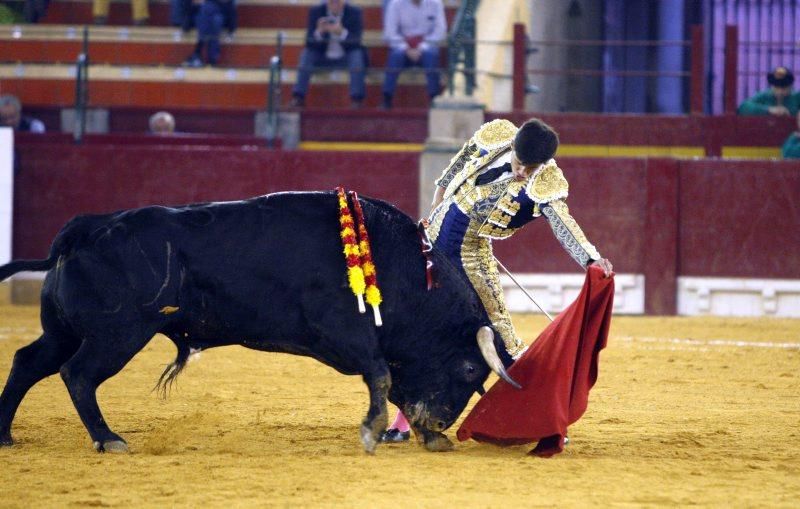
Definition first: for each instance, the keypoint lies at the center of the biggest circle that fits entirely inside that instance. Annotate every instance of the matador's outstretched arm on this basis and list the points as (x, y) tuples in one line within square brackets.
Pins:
[(571, 237)]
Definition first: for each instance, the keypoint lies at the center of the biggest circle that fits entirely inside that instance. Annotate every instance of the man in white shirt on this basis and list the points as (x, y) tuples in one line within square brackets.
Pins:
[(413, 29)]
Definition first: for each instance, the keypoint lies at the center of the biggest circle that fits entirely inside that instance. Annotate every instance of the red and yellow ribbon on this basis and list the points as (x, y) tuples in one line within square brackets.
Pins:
[(352, 254), (368, 266)]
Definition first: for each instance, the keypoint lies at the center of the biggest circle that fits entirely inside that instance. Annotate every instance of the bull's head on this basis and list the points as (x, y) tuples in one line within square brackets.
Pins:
[(433, 392)]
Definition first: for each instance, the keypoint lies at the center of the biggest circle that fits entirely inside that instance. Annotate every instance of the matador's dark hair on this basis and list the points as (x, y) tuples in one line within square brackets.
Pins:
[(535, 142)]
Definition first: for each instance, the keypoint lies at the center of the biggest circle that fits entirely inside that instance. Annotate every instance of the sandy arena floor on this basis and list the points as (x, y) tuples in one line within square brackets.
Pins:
[(670, 423)]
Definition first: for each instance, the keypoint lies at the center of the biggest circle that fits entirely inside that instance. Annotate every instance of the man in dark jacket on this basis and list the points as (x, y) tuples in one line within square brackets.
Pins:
[(211, 18), (11, 116), (333, 40)]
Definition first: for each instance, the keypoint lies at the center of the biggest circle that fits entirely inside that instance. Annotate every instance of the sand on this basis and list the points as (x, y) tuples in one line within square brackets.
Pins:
[(686, 411)]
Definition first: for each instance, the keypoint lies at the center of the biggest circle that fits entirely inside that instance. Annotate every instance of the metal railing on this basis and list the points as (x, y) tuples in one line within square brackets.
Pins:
[(461, 47), (81, 89), (692, 73), (274, 92)]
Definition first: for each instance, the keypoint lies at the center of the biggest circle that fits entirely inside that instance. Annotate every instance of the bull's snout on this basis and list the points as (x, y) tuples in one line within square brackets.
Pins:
[(419, 415)]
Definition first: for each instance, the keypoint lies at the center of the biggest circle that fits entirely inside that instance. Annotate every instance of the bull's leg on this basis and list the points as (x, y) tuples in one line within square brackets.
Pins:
[(378, 381), (433, 440), (96, 361), (32, 363)]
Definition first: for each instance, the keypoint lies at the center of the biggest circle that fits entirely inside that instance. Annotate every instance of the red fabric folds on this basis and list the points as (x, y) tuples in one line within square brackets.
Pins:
[(556, 374)]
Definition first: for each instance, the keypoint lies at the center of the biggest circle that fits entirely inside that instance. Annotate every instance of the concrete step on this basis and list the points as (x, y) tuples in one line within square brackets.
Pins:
[(252, 13), (171, 86), (41, 44)]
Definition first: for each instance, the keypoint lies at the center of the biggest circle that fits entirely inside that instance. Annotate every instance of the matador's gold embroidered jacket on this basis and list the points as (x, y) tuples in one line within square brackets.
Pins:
[(472, 214), (502, 207)]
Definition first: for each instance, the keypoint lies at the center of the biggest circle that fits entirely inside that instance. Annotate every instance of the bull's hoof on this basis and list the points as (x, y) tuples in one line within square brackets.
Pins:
[(369, 439), (437, 442), (112, 446), (6, 441)]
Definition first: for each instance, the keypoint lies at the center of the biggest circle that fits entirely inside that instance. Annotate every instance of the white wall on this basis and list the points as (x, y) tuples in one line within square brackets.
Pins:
[(6, 191)]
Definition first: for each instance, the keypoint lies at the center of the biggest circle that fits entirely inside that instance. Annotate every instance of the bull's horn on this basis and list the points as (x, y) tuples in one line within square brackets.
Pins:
[(486, 344)]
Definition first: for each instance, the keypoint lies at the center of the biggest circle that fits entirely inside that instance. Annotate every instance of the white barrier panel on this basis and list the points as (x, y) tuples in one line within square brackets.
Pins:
[(739, 296), (554, 292), (6, 192)]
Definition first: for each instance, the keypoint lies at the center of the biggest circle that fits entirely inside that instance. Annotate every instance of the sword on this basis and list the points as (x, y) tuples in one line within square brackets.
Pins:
[(508, 272)]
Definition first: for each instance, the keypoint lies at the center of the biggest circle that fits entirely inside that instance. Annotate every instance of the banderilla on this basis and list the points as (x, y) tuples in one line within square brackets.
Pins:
[(522, 288)]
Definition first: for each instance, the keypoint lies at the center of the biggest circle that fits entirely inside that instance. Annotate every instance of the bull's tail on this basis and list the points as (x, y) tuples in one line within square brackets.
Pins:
[(70, 235), (9, 269), (167, 378)]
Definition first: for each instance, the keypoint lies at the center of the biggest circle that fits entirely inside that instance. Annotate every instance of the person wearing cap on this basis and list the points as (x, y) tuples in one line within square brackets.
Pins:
[(501, 179), (778, 99)]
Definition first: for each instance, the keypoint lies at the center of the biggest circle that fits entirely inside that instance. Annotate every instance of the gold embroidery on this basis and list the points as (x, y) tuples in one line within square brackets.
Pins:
[(481, 269), (495, 134), (548, 184), (569, 234), (490, 231), (456, 165)]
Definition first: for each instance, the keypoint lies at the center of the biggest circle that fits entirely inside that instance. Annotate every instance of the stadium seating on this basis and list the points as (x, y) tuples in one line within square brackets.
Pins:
[(140, 66)]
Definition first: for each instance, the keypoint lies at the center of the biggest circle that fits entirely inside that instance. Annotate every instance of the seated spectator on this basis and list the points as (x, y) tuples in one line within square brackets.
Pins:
[(11, 116), (162, 123), (211, 18), (413, 29), (333, 40), (776, 100), (139, 12), (182, 13), (35, 10), (791, 147)]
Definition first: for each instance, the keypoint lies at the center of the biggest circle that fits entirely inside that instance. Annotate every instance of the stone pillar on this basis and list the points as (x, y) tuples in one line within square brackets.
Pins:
[(96, 120), (288, 128), (452, 120)]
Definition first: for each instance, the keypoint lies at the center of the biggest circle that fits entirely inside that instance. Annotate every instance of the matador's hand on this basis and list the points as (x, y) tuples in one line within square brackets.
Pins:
[(604, 264)]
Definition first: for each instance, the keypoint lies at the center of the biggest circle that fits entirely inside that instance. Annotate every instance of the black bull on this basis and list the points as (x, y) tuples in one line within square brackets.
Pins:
[(266, 273)]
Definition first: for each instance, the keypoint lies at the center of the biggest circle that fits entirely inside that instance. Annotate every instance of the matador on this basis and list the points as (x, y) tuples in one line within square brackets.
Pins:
[(501, 179)]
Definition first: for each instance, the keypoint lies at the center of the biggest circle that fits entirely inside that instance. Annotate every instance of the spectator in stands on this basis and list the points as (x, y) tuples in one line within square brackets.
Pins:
[(162, 123), (776, 100), (333, 40), (413, 29), (791, 147), (139, 12), (35, 10), (11, 116), (212, 17), (182, 13)]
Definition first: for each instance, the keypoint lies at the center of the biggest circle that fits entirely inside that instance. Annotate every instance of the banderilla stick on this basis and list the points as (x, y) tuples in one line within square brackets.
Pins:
[(522, 288)]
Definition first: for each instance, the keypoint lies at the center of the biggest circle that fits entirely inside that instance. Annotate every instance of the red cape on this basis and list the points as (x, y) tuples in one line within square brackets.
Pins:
[(556, 373)]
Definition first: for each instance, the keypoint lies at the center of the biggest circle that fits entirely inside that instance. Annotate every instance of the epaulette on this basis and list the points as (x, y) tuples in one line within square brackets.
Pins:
[(548, 183), (495, 134)]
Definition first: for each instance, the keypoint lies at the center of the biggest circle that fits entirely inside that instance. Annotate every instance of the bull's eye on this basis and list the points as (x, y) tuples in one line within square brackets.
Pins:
[(469, 372)]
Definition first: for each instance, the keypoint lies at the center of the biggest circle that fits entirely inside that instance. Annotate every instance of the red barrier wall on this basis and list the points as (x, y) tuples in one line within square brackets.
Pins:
[(658, 217), (739, 218), (58, 181)]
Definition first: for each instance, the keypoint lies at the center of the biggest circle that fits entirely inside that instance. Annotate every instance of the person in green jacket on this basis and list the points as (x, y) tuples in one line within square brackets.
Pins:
[(779, 99), (791, 147)]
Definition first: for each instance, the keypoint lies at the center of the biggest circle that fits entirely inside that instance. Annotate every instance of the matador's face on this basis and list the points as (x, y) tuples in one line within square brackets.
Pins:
[(521, 171)]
